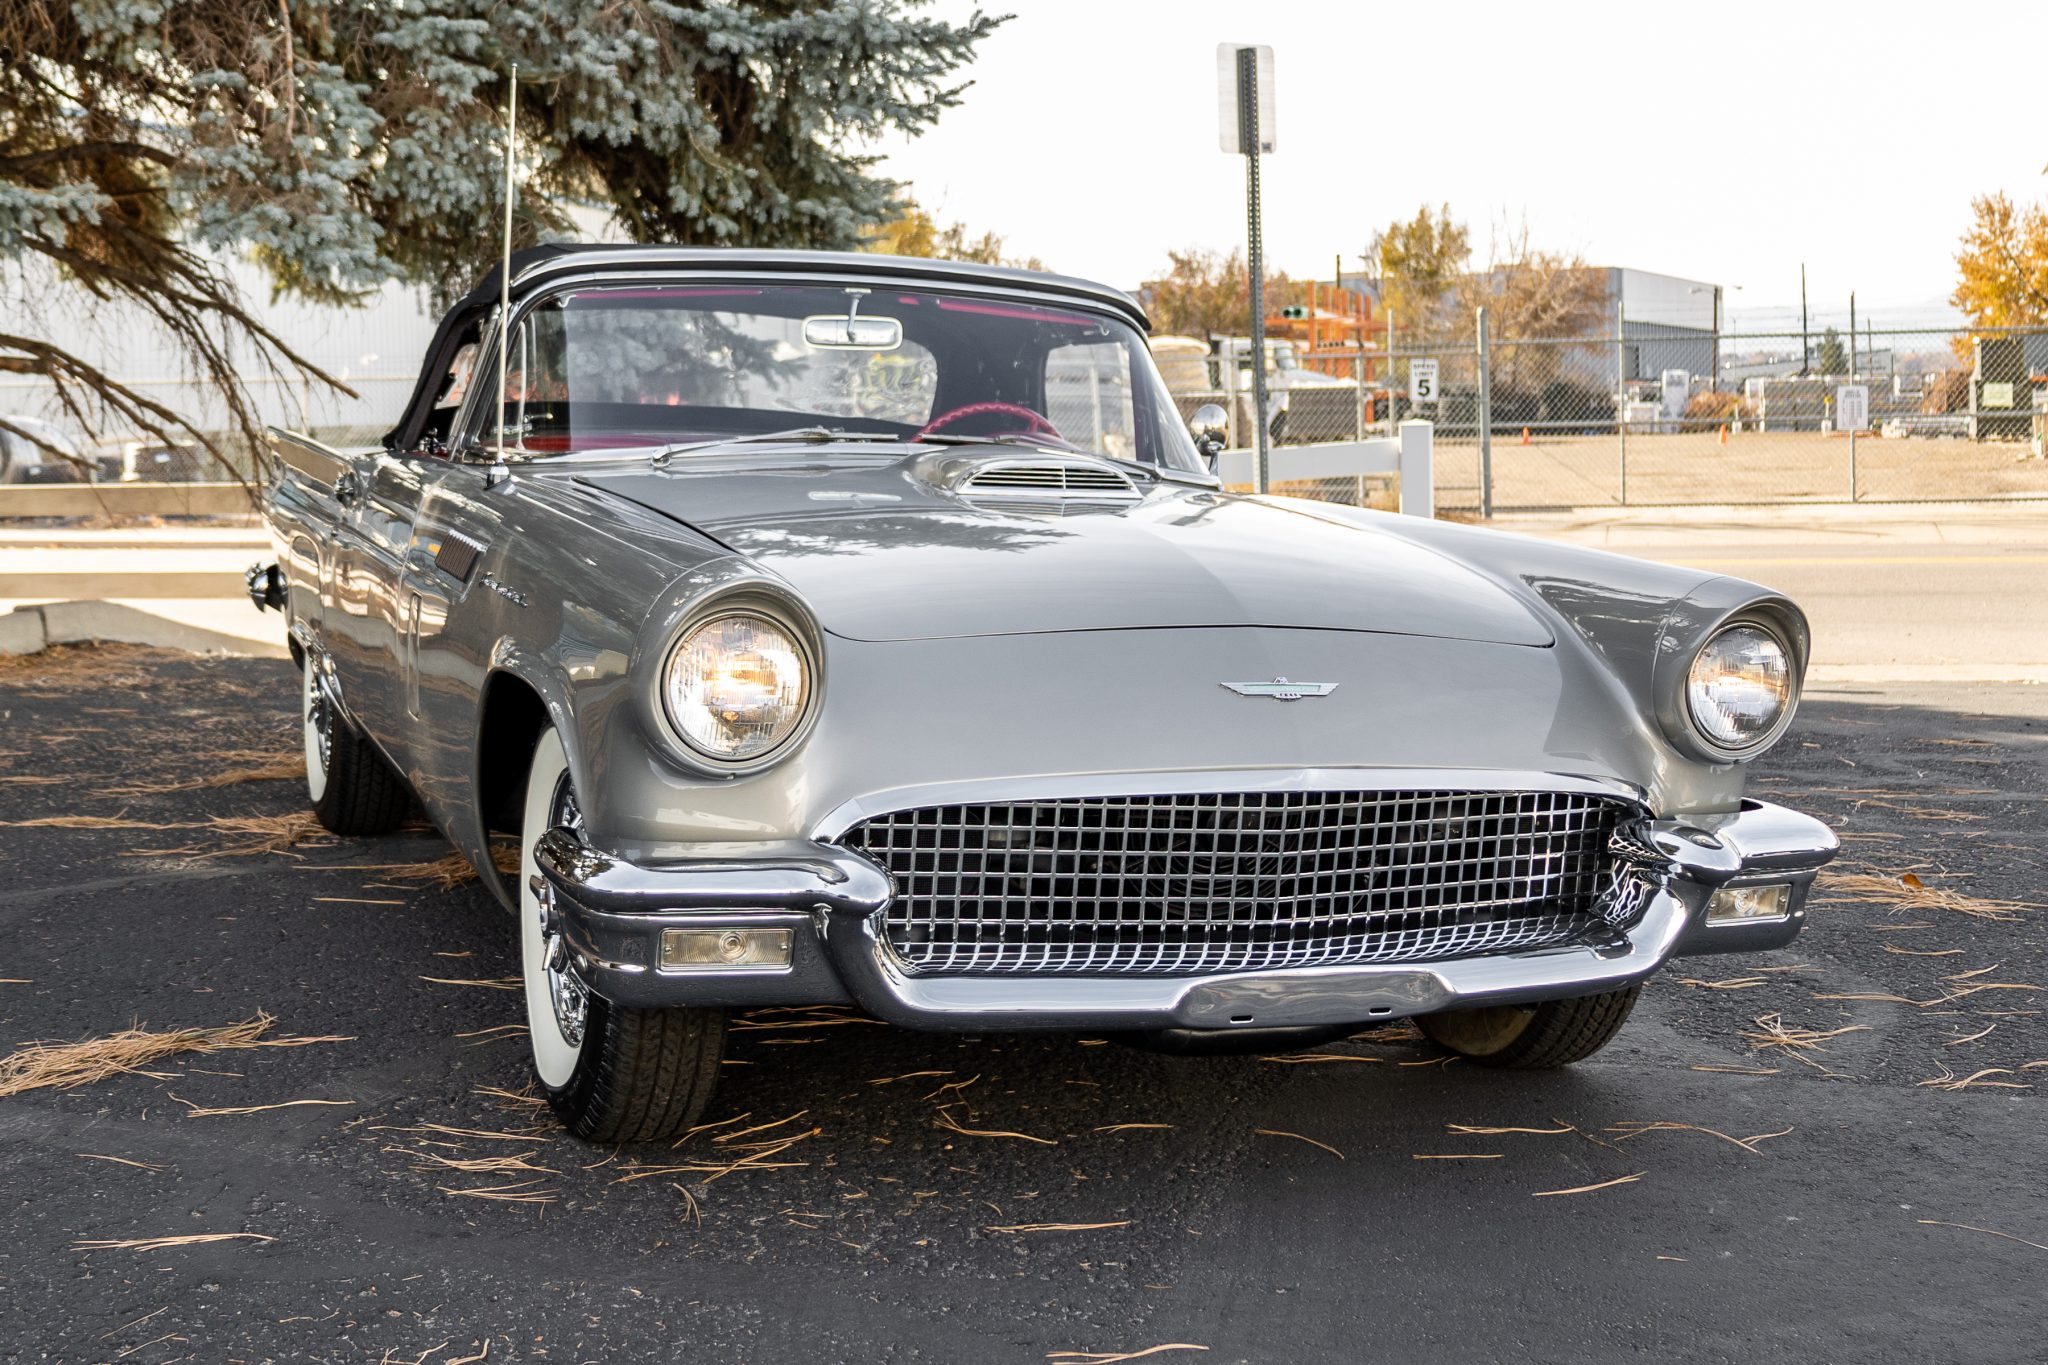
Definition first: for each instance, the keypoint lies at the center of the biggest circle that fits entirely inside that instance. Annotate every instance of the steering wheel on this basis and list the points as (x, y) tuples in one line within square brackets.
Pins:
[(1034, 422)]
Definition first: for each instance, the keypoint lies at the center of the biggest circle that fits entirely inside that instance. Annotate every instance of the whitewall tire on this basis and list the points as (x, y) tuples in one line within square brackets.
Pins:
[(613, 1073)]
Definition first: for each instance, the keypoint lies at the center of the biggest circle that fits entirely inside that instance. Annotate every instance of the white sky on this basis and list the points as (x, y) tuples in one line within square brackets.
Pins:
[(1720, 142)]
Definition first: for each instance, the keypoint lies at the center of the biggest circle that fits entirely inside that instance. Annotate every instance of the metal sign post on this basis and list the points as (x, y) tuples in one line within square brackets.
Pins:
[(1245, 97)]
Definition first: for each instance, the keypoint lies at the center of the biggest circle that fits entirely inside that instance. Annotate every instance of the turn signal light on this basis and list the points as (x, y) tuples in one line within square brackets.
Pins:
[(1748, 904), (716, 950)]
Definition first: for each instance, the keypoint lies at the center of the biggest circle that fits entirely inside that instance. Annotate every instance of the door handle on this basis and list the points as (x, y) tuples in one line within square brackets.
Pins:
[(348, 489)]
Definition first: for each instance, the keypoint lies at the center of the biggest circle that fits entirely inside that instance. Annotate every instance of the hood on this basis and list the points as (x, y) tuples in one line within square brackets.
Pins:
[(881, 552)]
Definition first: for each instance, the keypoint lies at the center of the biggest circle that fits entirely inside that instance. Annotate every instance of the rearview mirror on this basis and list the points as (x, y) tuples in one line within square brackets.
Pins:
[(1210, 426), (850, 332)]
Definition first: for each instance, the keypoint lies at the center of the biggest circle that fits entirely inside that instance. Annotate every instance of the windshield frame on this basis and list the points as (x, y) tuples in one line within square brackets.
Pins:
[(480, 448)]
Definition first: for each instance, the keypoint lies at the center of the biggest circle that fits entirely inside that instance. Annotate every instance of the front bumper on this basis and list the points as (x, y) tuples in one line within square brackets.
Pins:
[(831, 901)]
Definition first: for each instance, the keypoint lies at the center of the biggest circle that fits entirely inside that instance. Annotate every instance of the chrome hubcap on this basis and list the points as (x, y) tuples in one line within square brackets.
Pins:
[(566, 991), (320, 716)]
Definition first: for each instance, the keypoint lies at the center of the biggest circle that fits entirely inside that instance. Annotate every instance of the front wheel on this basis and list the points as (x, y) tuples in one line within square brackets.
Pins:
[(1532, 1037), (612, 1073)]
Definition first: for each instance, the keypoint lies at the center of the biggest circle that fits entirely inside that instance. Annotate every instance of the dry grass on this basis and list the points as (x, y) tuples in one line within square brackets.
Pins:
[(1733, 983), (1058, 1227), (496, 983), (1458, 1156), (443, 1130), (64, 1066), (94, 822), (1478, 1130), (248, 836), (1133, 1127), (160, 1243), (1909, 891), (275, 770), (1113, 1357), (446, 872), (1311, 1058)]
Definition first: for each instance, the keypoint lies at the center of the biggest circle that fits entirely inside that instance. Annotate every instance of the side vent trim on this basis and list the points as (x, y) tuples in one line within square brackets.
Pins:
[(456, 555)]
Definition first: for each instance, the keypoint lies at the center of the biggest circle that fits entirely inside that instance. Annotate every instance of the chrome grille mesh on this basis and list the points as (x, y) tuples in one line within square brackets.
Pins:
[(1237, 881)]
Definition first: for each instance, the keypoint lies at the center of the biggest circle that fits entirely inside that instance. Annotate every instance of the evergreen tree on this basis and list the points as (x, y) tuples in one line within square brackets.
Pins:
[(348, 143)]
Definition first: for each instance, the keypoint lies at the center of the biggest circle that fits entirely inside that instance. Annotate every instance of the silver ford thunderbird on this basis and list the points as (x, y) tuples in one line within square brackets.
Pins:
[(851, 629)]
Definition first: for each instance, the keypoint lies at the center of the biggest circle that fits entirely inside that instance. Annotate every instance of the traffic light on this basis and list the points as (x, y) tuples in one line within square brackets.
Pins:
[(1294, 311)]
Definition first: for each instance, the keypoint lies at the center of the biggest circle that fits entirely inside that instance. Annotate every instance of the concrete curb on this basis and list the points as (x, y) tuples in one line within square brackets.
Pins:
[(27, 630)]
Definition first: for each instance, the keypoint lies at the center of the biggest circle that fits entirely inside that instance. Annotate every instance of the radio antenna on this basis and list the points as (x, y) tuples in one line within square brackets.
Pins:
[(505, 261)]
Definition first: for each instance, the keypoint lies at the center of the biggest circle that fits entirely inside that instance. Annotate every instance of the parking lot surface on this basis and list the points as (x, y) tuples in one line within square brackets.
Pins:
[(1829, 1153)]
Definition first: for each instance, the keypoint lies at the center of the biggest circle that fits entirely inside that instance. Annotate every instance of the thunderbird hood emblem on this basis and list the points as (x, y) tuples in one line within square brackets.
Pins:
[(1281, 690)]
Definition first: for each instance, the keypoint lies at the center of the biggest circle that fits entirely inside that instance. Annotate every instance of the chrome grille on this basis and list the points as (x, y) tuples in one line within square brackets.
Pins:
[(1236, 881)]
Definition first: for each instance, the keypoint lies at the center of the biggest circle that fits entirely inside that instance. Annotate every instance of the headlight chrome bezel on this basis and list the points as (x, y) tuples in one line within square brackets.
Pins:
[(1707, 743), (785, 617)]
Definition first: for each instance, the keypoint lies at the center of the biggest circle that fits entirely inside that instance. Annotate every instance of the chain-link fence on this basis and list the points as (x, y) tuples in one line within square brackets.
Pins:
[(298, 404), (1678, 417)]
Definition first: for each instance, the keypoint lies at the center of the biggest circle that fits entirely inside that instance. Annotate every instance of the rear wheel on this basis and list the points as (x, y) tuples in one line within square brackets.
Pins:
[(613, 1074), (352, 788), (1532, 1037)]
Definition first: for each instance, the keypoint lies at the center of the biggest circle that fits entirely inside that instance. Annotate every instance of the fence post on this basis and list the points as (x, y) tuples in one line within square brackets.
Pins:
[(1418, 473), (1485, 416), (1621, 394)]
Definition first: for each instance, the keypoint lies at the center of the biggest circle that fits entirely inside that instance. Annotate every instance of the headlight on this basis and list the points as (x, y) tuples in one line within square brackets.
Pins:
[(1740, 687), (736, 686)]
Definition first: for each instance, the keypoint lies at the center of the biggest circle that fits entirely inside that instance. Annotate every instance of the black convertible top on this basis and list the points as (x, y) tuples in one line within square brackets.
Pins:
[(535, 265)]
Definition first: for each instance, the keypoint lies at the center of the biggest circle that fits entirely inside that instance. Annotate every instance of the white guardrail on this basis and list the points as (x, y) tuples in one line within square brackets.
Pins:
[(1410, 455)]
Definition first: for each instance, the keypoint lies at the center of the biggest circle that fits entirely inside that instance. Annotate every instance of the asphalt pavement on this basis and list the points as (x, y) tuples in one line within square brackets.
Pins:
[(1825, 1203)]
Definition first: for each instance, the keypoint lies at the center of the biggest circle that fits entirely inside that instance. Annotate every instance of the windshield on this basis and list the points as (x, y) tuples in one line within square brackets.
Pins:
[(618, 367)]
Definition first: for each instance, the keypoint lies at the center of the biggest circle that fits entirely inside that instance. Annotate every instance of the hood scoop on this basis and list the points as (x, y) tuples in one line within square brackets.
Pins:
[(1037, 484)]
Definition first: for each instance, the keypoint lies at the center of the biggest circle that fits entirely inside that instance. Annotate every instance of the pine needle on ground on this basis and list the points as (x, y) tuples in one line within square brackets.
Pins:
[(952, 1125), (160, 1243), (1113, 1357), (1588, 1189), (67, 1065), (1278, 1132), (1909, 891)]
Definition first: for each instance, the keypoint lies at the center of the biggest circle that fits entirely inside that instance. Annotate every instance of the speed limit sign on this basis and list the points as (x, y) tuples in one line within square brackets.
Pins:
[(1422, 381)]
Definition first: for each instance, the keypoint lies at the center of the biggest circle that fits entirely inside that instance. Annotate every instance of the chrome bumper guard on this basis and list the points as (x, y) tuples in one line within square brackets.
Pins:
[(614, 913)]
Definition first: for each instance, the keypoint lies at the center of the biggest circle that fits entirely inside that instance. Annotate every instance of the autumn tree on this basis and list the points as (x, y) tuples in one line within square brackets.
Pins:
[(344, 144), (1421, 262), (912, 231), (2002, 269), (1205, 293)]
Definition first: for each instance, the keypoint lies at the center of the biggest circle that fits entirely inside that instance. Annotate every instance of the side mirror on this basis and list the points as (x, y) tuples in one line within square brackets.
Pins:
[(1210, 426)]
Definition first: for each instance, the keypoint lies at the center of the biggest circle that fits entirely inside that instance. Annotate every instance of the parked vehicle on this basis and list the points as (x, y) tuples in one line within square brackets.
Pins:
[(163, 462), (816, 643), (25, 461), (1197, 370)]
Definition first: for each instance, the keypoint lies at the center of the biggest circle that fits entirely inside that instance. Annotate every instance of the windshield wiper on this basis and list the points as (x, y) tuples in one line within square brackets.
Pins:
[(813, 435)]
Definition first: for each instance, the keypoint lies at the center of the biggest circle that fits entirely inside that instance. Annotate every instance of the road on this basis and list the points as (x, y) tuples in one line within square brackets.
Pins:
[(1895, 593), (1269, 1211)]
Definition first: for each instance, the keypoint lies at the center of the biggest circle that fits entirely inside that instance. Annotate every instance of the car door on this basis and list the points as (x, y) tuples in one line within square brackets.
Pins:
[(310, 504), (380, 543)]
